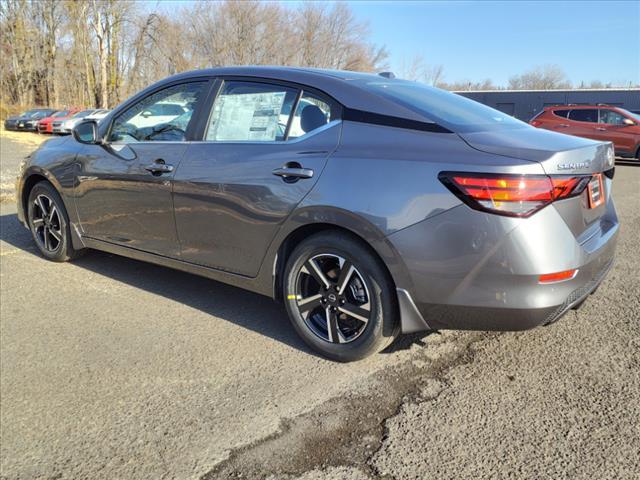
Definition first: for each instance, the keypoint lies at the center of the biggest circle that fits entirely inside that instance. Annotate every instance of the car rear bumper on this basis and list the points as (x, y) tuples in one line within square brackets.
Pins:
[(476, 271)]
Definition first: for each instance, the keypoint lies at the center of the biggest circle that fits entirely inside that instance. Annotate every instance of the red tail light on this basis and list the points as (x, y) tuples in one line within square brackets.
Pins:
[(535, 123), (512, 195)]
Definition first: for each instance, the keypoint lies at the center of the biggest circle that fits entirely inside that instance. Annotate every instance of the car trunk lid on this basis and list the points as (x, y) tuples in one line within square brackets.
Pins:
[(559, 155)]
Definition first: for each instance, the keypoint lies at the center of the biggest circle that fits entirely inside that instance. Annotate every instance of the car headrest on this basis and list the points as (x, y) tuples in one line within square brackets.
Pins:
[(312, 118)]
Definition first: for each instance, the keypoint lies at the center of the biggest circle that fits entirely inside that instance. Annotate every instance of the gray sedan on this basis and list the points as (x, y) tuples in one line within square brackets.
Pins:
[(368, 205)]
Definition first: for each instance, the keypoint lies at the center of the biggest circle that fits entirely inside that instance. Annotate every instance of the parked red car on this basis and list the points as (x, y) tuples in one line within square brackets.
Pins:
[(46, 124), (599, 122)]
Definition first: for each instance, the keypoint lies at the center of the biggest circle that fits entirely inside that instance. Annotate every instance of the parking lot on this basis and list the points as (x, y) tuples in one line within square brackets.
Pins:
[(113, 368)]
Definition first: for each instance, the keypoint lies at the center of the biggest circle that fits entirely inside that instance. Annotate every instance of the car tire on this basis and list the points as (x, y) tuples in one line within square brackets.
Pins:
[(49, 224), (339, 297)]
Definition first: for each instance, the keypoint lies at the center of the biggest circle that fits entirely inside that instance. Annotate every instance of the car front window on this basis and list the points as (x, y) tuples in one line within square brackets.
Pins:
[(162, 116), (611, 117), (447, 109)]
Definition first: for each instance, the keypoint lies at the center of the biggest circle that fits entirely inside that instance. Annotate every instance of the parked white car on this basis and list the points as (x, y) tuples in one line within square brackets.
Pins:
[(66, 126), (157, 114), (98, 114)]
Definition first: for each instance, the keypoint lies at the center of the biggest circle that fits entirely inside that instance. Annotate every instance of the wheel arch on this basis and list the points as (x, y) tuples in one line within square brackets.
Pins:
[(31, 179), (294, 238), (30, 182), (409, 318)]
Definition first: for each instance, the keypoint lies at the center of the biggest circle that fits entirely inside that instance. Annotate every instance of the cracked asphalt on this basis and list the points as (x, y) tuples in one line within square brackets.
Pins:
[(112, 368)]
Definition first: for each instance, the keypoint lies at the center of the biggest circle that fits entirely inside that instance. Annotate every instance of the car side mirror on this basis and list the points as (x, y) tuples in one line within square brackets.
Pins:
[(628, 122), (86, 132)]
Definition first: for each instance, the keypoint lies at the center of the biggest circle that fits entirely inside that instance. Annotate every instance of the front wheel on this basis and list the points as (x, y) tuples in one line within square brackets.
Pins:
[(339, 297), (49, 223)]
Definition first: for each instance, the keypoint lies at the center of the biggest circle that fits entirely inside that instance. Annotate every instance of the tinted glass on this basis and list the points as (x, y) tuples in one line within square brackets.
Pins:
[(63, 113), (561, 113), (450, 110), (584, 115), (311, 114), (162, 116), (247, 111)]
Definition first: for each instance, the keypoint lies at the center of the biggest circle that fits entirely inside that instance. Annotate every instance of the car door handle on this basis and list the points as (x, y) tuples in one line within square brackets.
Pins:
[(293, 173), (159, 168), (601, 129), (563, 125)]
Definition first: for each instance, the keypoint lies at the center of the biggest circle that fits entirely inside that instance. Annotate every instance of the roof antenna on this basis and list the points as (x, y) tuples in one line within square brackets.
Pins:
[(389, 75)]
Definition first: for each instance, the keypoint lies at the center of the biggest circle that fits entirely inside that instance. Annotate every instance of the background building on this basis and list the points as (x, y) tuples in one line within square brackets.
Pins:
[(525, 104)]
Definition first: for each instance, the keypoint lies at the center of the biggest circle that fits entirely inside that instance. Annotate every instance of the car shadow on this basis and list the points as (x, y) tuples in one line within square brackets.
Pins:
[(243, 308), (627, 162)]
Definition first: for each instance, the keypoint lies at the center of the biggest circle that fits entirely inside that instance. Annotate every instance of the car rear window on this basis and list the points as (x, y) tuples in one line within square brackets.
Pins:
[(447, 109), (584, 115), (561, 113)]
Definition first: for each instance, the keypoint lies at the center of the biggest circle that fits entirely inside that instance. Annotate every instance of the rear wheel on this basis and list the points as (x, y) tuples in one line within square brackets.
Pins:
[(49, 223), (339, 297)]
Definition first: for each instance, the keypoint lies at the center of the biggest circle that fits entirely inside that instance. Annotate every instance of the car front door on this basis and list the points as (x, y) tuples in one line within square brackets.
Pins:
[(612, 128), (124, 187), (263, 149)]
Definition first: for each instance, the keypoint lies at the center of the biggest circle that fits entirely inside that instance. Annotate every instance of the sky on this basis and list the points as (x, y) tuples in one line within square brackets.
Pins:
[(478, 40), (597, 40)]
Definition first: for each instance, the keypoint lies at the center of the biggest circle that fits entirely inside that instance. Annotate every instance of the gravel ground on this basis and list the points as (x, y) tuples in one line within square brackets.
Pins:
[(14, 146), (112, 368)]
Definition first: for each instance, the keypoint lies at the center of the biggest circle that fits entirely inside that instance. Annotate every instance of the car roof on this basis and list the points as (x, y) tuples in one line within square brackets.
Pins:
[(581, 107), (343, 86)]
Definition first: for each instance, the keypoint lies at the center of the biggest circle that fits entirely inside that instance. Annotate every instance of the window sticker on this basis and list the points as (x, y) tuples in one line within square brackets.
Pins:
[(250, 116)]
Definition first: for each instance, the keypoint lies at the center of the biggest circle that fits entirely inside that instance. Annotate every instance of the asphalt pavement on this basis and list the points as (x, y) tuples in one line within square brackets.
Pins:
[(112, 368)]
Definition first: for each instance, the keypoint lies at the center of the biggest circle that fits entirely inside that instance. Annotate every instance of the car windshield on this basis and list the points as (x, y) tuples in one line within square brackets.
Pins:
[(29, 113), (64, 113), (83, 114), (450, 110)]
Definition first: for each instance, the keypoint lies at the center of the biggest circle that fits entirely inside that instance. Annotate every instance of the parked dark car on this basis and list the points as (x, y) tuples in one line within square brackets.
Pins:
[(27, 120), (370, 206), (598, 122)]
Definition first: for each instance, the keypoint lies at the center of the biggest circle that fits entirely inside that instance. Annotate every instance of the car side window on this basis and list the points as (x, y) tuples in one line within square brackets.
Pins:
[(311, 113), (162, 116), (611, 117), (561, 113), (251, 112), (584, 115)]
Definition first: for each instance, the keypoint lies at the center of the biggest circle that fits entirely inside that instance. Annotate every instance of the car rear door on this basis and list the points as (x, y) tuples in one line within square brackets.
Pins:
[(124, 187), (262, 152), (582, 123)]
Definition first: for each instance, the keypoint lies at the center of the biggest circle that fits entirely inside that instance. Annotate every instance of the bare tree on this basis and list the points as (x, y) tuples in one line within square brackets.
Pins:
[(544, 77), (434, 75)]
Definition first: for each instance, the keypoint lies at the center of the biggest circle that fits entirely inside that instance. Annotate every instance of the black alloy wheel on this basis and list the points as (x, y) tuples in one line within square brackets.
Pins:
[(339, 296), (49, 223)]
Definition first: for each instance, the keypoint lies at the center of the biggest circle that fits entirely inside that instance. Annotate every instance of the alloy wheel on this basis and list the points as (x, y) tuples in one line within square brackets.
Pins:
[(332, 298), (47, 223)]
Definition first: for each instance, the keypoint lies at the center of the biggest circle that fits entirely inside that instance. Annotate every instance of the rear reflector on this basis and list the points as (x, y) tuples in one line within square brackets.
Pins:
[(558, 276), (512, 195)]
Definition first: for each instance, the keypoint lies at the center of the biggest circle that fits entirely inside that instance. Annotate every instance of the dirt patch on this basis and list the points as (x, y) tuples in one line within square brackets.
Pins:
[(346, 432)]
